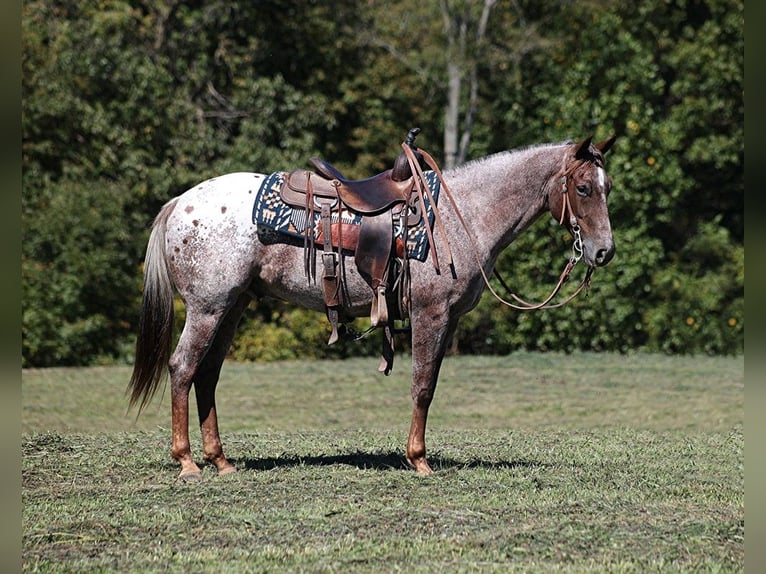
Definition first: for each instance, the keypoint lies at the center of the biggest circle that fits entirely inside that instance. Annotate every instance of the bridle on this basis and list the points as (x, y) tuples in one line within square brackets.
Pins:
[(577, 250), (566, 209)]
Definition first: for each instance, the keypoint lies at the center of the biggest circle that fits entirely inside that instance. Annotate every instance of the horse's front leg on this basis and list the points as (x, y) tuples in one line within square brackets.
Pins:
[(431, 333)]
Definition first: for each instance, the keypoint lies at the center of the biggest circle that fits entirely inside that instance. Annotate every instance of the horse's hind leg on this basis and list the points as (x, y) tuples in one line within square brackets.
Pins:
[(198, 334), (206, 381)]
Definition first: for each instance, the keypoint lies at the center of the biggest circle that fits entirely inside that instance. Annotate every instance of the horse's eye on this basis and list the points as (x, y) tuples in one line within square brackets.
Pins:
[(583, 189)]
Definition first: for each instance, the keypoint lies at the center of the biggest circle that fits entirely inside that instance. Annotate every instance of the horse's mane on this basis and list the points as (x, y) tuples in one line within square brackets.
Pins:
[(502, 155)]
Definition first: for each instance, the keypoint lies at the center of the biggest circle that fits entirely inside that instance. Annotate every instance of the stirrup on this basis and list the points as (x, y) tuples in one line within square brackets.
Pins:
[(379, 310), (332, 316)]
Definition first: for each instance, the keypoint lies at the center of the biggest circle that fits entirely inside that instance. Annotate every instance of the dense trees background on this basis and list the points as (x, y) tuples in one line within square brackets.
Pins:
[(128, 103)]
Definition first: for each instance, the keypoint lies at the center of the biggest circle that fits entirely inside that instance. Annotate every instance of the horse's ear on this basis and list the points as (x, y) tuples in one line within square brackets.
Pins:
[(606, 145), (582, 148)]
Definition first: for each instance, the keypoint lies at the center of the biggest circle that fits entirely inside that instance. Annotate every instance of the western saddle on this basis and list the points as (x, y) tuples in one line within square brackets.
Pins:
[(388, 204)]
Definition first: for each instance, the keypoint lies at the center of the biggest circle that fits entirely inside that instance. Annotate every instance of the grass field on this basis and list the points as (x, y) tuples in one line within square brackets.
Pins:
[(545, 463)]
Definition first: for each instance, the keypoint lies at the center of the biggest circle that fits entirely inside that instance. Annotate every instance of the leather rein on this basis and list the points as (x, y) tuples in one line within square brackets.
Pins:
[(566, 209)]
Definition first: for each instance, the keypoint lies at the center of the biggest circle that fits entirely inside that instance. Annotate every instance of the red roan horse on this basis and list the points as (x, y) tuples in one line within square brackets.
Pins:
[(204, 244)]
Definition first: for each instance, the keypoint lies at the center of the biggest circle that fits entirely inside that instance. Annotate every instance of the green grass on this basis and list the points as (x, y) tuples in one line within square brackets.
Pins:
[(545, 463)]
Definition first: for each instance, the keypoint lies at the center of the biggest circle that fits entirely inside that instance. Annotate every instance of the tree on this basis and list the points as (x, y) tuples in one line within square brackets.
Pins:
[(465, 46), (127, 103), (629, 69)]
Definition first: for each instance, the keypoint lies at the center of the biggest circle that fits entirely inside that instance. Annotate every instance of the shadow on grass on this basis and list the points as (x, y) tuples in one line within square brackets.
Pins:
[(377, 461)]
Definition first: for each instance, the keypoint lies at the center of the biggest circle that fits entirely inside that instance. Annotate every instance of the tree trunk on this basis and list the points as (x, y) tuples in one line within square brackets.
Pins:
[(460, 64), (452, 115)]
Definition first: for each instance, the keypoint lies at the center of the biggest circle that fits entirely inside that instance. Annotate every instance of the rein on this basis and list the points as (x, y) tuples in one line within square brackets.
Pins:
[(577, 247)]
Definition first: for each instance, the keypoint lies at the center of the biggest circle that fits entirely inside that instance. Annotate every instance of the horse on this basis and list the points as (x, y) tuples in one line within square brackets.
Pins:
[(204, 245)]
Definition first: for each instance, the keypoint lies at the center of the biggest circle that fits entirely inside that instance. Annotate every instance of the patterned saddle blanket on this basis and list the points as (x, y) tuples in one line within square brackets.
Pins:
[(278, 222)]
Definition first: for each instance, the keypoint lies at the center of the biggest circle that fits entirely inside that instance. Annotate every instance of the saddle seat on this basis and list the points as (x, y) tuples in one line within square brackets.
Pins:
[(370, 196)]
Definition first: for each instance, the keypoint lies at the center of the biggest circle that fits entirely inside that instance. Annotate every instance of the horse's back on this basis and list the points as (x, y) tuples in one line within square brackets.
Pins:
[(226, 197)]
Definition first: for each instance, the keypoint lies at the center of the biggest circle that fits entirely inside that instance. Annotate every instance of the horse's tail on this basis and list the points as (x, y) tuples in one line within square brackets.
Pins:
[(155, 325)]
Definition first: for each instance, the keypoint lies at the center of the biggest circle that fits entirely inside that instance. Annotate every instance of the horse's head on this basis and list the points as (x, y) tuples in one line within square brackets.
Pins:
[(578, 200)]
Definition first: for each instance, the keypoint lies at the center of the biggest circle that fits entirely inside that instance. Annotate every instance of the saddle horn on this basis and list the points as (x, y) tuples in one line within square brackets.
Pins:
[(402, 169)]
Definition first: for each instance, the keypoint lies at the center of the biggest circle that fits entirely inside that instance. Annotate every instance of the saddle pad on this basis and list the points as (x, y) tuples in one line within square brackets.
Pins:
[(274, 216)]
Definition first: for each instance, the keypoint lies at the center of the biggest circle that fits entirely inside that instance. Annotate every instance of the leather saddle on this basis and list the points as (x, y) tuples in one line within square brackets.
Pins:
[(387, 206), (369, 196)]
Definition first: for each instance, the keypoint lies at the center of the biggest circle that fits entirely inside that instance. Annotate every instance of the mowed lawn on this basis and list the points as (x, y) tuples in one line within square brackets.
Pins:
[(545, 463)]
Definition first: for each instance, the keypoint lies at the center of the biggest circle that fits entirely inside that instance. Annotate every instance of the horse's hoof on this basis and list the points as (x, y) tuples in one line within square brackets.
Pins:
[(191, 476), (231, 469), (421, 466)]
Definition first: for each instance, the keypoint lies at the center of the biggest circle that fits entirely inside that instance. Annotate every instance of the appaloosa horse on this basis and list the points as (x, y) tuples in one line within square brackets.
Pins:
[(205, 245)]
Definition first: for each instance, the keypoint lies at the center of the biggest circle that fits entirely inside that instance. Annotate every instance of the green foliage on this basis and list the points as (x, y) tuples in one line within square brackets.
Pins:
[(81, 280), (276, 331), (702, 306), (281, 335), (668, 80), (128, 103)]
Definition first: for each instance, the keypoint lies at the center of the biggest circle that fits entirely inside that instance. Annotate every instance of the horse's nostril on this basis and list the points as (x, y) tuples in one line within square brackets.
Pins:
[(604, 256)]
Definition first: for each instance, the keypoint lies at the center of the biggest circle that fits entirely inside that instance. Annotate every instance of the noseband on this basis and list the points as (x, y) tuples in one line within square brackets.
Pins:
[(566, 207)]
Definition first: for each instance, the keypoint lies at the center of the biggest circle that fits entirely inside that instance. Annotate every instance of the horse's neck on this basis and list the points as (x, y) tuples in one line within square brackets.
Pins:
[(501, 195)]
